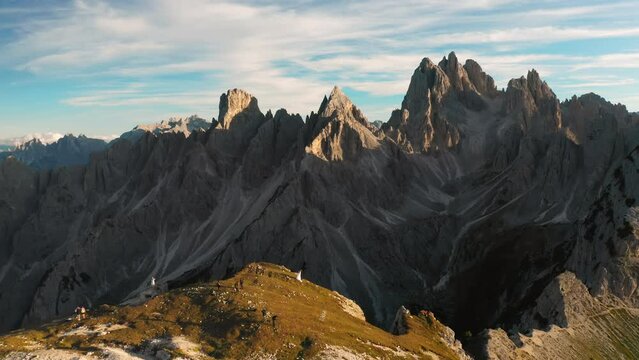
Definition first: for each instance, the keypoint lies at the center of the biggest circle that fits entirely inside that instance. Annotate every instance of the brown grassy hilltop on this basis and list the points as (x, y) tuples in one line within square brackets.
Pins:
[(214, 320)]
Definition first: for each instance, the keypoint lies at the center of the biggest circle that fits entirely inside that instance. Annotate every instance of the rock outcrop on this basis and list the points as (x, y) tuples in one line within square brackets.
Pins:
[(533, 104), (340, 131), (238, 121), (400, 324), (567, 323)]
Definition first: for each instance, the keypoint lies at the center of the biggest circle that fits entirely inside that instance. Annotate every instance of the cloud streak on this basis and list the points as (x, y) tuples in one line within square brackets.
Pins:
[(290, 54)]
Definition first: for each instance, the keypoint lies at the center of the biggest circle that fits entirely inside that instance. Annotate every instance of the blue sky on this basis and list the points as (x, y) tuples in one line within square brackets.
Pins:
[(101, 67)]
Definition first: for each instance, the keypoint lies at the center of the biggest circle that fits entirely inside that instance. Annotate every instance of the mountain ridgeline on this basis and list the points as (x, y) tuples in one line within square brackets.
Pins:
[(469, 201), (66, 151)]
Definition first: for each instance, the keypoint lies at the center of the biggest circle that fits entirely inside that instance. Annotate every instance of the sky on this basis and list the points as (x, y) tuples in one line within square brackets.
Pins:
[(100, 67)]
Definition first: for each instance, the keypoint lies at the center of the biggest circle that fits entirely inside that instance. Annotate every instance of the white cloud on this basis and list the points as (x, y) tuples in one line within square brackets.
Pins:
[(608, 61), (290, 55), (526, 35), (45, 138), (598, 84), (106, 138)]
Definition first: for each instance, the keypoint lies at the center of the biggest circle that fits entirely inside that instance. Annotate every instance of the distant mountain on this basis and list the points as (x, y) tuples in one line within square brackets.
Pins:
[(44, 138), (49, 150), (185, 126), (495, 209), (67, 150), (377, 123)]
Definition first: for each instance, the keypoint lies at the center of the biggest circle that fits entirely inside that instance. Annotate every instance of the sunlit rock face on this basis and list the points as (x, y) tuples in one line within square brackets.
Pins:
[(465, 190)]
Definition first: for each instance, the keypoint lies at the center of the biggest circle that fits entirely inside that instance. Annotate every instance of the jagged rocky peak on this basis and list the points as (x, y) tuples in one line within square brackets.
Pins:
[(533, 104), (483, 82), (339, 106), (428, 77), (422, 124), (585, 117), (588, 116), (339, 130), (538, 87), (238, 121), (271, 145), (30, 144), (236, 102), (456, 73), (336, 102)]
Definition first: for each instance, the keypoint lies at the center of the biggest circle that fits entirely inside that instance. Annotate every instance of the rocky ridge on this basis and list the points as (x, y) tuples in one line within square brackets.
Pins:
[(68, 150)]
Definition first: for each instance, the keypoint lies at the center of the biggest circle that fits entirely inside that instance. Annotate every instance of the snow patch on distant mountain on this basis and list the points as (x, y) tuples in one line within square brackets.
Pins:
[(44, 138), (186, 126), (107, 138)]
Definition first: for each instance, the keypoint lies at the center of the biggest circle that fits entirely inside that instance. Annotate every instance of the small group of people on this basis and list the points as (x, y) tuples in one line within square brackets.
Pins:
[(427, 315), (259, 269), (80, 313), (238, 285), (266, 315)]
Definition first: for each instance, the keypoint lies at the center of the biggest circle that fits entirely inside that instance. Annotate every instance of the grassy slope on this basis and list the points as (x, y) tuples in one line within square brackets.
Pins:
[(229, 324)]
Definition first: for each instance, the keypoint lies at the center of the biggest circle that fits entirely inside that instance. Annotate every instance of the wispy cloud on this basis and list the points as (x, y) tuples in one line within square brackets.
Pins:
[(598, 84), (289, 54), (525, 35), (616, 60)]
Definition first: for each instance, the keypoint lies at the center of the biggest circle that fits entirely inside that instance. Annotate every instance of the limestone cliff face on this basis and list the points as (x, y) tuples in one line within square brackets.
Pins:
[(533, 104), (466, 190), (607, 245), (238, 121), (482, 82), (420, 126), (567, 322), (438, 103), (340, 131), (273, 145)]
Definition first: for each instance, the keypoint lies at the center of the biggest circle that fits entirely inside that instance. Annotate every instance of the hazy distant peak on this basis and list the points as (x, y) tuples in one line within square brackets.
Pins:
[(185, 125), (44, 138)]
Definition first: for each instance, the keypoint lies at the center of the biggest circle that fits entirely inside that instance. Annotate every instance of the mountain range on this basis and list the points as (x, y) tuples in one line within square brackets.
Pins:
[(66, 151), (506, 212), (52, 150)]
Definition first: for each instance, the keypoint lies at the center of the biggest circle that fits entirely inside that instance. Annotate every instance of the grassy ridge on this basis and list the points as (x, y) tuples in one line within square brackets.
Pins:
[(229, 323)]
